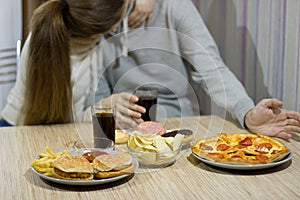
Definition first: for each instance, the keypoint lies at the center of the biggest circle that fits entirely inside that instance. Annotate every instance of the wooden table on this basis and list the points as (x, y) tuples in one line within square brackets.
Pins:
[(188, 178)]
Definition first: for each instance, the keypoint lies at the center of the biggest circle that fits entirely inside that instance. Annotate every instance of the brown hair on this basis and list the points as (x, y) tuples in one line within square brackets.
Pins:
[(48, 87)]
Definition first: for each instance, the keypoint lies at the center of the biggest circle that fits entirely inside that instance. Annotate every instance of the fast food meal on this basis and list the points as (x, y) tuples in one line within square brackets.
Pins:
[(112, 165), (92, 164), (73, 167), (154, 149), (240, 149)]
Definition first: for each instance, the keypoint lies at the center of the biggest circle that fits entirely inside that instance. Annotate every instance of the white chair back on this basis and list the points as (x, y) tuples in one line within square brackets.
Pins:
[(9, 62)]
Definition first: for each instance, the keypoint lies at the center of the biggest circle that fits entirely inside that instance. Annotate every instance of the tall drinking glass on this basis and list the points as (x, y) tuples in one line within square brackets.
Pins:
[(147, 99), (103, 122)]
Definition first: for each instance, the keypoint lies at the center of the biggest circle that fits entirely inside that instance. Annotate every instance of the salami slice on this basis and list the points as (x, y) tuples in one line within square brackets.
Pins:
[(150, 127)]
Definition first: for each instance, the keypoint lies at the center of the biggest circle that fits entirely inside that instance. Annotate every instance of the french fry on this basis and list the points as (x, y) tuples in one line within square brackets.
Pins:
[(67, 153), (44, 159), (49, 172), (44, 163), (50, 152), (40, 169), (42, 155)]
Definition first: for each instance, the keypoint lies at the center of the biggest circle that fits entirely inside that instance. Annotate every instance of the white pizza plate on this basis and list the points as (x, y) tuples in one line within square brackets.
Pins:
[(87, 182), (245, 167)]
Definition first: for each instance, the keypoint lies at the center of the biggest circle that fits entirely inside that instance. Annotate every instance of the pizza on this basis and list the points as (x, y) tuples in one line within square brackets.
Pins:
[(240, 148)]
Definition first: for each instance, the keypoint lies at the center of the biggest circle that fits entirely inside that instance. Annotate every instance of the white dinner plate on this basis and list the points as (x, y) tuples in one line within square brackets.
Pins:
[(245, 167), (87, 182)]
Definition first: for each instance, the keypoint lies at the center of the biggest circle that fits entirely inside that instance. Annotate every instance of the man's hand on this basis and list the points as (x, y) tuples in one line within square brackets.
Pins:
[(128, 113), (142, 11), (269, 119)]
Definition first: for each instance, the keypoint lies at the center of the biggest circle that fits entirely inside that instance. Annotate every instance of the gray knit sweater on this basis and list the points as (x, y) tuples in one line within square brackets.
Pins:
[(174, 52)]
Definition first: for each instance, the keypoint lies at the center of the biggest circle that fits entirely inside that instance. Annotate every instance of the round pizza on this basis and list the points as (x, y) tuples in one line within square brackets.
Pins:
[(240, 148)]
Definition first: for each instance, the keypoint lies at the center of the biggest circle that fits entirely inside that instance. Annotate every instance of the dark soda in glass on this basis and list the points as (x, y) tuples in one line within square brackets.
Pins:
[(104, 125), (148, 102)]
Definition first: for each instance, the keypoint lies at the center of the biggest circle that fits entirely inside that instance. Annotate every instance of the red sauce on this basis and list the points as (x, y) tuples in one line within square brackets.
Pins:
[(91, 155)]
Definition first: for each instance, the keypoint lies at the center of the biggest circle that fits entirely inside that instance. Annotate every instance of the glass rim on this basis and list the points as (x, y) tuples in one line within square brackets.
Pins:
[(99, 107), (88, 142), (141, 92), (146, 88)]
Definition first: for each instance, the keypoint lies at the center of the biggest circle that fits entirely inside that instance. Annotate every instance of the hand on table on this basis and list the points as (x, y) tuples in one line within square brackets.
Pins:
[(142, 11), (128, 113), (269, 119)]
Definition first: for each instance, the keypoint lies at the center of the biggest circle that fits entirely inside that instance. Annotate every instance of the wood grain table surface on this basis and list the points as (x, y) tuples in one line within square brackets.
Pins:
[(187, 178)]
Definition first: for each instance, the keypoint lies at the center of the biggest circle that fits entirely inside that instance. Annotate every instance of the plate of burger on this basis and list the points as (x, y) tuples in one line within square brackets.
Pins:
[(92, 167)]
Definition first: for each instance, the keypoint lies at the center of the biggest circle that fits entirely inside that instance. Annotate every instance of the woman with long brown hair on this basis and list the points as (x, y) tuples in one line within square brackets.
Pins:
[(59, 61)]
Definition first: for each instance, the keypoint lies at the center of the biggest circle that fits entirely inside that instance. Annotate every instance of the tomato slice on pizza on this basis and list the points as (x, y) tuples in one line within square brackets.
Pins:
[(240, 148)]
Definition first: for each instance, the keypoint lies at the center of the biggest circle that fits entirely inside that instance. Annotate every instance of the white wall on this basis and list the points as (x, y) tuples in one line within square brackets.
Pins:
[(10, 32)]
